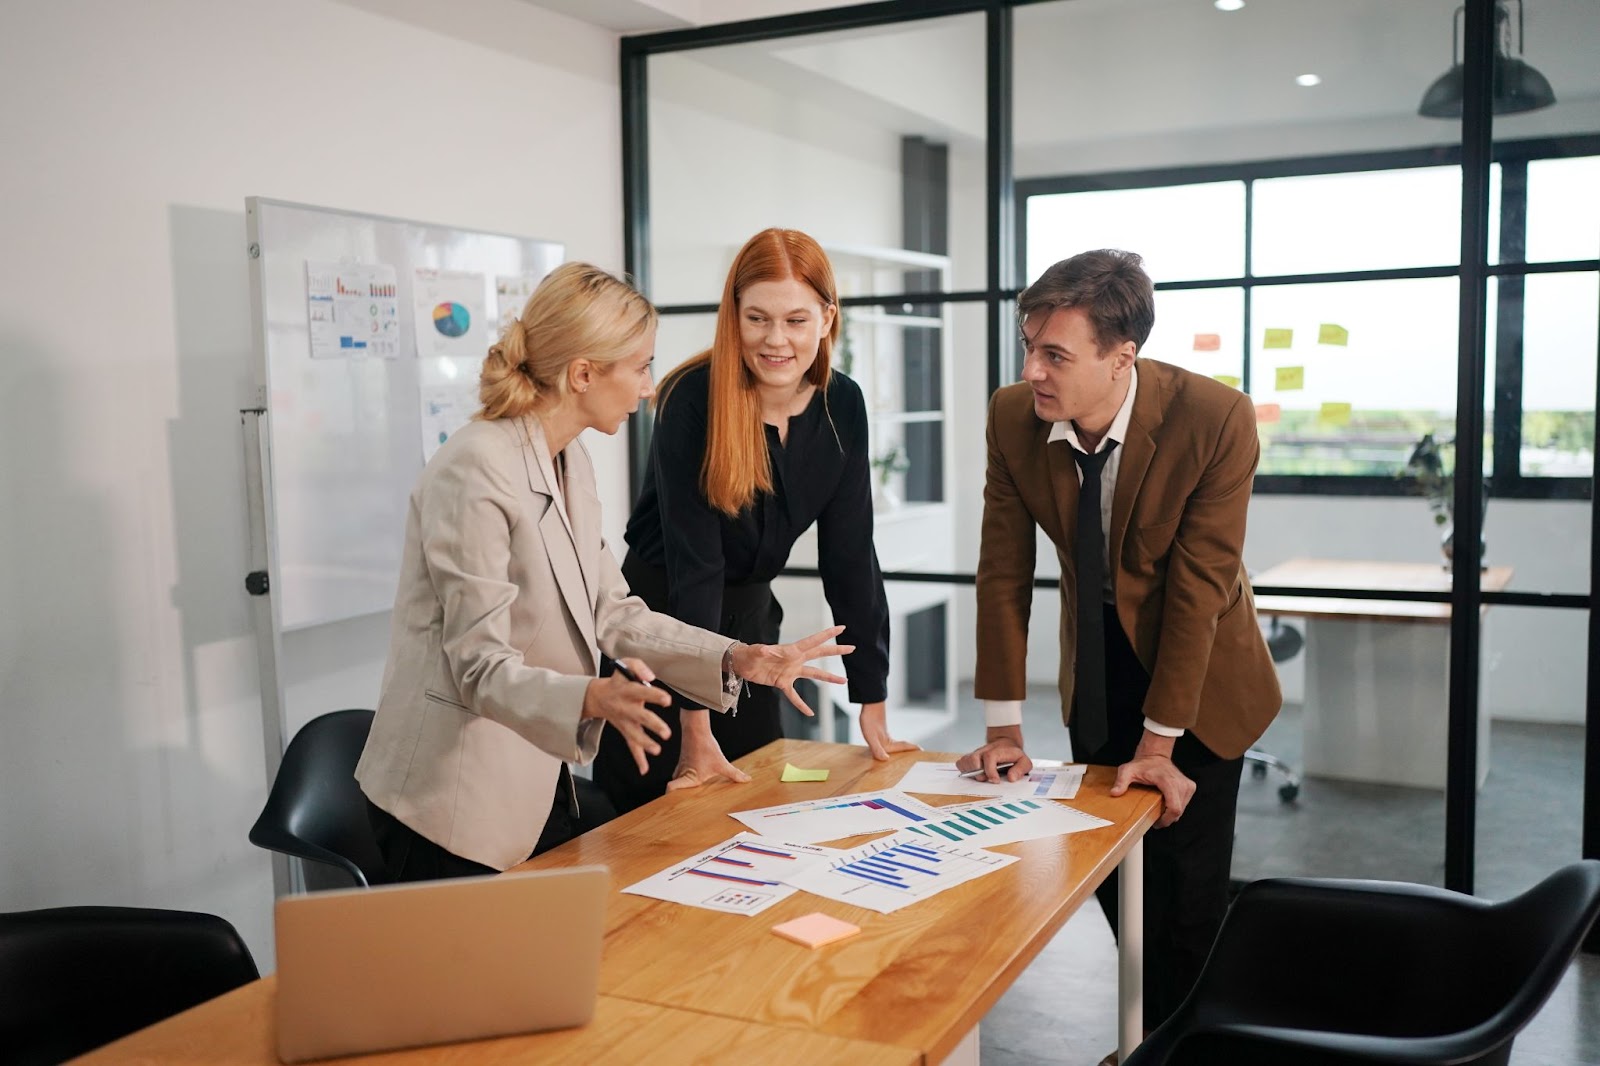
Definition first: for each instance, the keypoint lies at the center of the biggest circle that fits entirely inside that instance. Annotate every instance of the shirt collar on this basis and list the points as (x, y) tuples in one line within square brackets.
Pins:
[(1119, 425)]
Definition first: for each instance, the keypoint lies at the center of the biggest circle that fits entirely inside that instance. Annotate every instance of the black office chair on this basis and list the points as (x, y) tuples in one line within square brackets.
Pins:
[(1376, 972), (315, 810), (74, 978), (1283, 643)]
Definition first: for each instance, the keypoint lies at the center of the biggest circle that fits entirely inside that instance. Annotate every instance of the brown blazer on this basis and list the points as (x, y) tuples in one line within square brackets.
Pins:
[(503, 608), (1176, 546)]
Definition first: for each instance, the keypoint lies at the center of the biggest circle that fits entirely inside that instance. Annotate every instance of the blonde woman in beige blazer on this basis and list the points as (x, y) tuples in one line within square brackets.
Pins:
[(508, 596)]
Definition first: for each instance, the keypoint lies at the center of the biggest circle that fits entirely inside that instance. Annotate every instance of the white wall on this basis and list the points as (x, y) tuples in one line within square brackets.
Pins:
[(131, 761)]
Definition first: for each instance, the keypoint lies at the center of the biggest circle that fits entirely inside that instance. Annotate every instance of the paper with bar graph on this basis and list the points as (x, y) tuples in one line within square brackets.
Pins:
[(897, 871), (1047, 780), (744, 875), (985, 823), (836, 817)]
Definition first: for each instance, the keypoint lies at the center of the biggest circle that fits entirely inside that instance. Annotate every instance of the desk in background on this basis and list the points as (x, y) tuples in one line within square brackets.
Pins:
[(681, 985), (1377, 671)]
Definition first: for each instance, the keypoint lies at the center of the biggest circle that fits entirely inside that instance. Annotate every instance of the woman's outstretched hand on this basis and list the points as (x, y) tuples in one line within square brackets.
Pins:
[(780, 665)]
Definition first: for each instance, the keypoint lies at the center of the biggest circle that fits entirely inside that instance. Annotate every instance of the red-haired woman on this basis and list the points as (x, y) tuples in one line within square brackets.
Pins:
[(755, 439)]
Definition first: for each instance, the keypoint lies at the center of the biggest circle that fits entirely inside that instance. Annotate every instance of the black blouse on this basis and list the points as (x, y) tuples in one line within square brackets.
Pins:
[(819, 475)]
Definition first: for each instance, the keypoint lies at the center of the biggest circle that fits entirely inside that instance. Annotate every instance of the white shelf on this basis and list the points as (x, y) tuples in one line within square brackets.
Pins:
[(871, 316), (902, 417)]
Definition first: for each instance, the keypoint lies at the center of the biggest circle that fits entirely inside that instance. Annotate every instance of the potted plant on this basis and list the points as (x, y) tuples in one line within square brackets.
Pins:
[(1427, 469), (888, 463)]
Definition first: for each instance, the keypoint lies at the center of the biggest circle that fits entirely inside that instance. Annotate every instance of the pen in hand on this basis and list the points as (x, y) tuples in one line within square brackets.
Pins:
[(1002, 768), (627, 673)]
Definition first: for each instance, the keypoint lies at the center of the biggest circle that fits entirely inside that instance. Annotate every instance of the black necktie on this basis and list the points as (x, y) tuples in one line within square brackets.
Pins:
[(1089, 673)]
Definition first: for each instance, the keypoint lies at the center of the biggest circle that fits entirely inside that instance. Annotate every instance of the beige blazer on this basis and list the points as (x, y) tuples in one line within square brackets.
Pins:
[(1176, 547), (504, 606)]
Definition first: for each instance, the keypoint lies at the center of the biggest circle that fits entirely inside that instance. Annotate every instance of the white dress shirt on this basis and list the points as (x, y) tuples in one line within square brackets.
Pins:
[(1009, 712)]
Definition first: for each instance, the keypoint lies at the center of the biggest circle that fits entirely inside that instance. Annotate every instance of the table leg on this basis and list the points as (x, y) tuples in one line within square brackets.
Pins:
[(1130, 951)]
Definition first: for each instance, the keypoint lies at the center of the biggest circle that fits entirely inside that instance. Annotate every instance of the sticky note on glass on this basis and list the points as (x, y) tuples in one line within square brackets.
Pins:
[(1268, 413), (1328, 333), (794, 773), (815, 929), (1279, 338), (1289, 378), (1334, 414), (1207, 342), (1228, 380)]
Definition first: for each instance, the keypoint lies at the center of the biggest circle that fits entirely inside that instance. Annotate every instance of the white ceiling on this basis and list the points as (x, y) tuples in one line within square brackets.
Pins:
[(1106, 72)]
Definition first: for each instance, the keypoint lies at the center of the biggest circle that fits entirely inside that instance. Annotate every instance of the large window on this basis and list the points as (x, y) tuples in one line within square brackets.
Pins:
[(1328, 290)]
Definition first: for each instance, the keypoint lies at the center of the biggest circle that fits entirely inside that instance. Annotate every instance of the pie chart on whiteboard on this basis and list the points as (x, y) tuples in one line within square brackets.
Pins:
[(452, 319)]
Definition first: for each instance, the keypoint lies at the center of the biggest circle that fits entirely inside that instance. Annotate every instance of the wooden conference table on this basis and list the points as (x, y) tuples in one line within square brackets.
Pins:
[(679, 984)]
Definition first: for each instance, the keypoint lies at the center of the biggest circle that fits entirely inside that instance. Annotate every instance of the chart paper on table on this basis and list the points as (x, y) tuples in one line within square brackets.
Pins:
[(744, 875), (836, 817), (988, 822), (1045, 781), (897, 871)]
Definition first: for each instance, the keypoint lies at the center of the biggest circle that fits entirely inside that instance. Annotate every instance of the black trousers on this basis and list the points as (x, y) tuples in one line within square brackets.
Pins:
[(1186, 865), (410, 856), (751, 614)]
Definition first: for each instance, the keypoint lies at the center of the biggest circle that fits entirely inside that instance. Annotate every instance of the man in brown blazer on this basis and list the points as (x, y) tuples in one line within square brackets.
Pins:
[(1175, 681)]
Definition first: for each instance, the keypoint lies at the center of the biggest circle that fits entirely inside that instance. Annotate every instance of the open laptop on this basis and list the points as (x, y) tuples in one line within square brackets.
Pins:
[(373, 969)]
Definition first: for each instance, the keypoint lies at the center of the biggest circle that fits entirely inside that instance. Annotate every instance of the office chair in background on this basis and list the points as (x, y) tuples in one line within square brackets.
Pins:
[(315, 810), (1376, 972), (74, 978), (1283, 643)]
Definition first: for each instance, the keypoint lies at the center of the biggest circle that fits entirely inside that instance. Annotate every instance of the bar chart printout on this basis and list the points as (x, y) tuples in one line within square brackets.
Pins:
[(897, 871), (744, 875), (986, 823), (836, 817)]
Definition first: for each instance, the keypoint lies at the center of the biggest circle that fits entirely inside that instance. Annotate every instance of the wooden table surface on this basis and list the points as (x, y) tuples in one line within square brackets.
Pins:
[(237, 1030), (681, 985), (921, 978), (1355, 574)]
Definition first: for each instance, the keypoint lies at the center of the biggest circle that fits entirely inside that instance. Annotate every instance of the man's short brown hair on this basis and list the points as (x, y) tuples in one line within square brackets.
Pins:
[(1110, 286)]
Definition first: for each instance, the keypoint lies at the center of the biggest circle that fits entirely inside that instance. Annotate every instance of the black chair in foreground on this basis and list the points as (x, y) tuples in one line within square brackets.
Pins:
[(74, 978), (1376, 972), (315, 810)]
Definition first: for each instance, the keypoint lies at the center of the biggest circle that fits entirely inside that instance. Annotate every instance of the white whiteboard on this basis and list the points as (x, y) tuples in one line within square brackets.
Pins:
[(344, 434)]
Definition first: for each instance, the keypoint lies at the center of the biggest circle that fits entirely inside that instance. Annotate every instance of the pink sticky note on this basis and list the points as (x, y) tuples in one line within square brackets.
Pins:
[(815, 929), (1208, 342), (1268, 412)]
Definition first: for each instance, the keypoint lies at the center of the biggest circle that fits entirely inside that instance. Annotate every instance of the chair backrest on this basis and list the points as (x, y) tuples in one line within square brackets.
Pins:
[(1534, 937), (315, 810), (74, 978)]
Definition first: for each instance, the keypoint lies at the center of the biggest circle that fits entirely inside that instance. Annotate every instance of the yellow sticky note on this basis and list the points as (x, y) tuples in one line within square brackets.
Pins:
[(1290, 378), (1228, 380), (1279, 338), (1208, 342), (794, 773), (1267, 413), (1334, 414), (1328, 333)]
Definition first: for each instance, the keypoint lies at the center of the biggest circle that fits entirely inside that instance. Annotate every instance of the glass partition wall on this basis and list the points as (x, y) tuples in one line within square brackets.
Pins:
[(1399, 294)]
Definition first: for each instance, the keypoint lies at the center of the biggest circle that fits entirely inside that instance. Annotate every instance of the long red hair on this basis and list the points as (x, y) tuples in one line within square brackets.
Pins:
[(736, 466)]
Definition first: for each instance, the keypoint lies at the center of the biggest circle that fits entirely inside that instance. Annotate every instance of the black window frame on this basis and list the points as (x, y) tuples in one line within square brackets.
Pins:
[(1506, 481)]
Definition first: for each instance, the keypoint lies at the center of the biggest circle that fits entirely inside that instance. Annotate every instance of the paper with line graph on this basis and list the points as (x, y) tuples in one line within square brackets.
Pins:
[(985, 823), (836, 817), (897, 871), (744, 875)]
